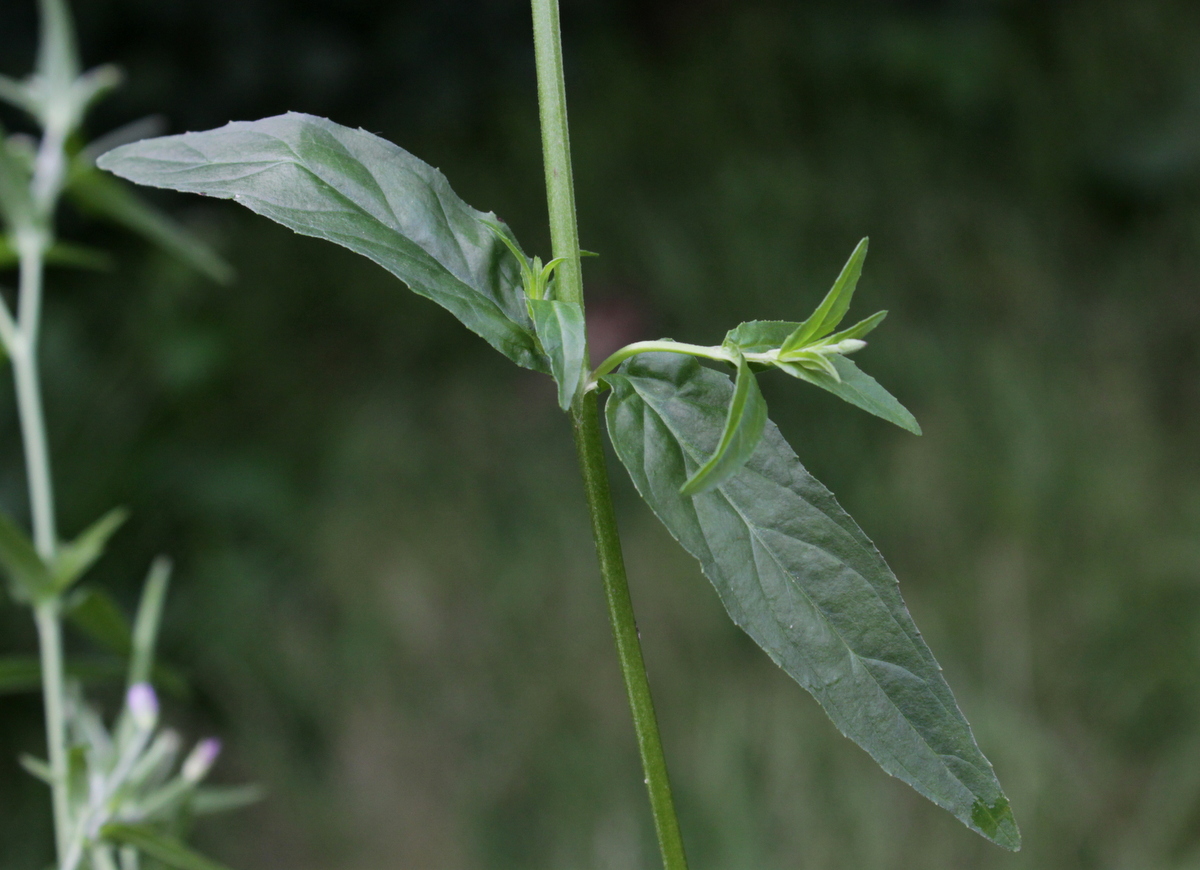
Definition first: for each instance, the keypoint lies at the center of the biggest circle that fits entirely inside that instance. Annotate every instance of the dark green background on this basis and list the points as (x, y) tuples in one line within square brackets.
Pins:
[(386, 598)]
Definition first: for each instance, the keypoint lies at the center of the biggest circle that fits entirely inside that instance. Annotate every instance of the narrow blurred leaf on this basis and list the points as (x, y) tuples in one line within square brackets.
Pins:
[(801, 578), (143, 128), (94, 613), (833, 307), (159, 846), (75, 558), (97, 194), (17, 94), (362, 192), (57, 59), (744, 422), (29, 579), (76, 257), (561, 329), (145, 627), (858, 388), (37, 768), (94, 84), (20, 674), (221, 798), (16, 202), (759, 336)]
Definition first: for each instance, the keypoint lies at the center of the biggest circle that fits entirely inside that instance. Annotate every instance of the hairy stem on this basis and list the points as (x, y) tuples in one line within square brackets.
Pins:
[(588, 442)]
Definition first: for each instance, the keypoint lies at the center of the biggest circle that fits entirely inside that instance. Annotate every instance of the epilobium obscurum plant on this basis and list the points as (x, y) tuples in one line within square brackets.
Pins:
[(792, 568), (117, 793)]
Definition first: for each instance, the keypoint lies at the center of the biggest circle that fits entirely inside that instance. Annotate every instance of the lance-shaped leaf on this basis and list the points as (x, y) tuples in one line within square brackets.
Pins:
[(744, 421), (858, 388), (561, 330), (60, 254), (30, 581), (95, 614), (858, 330), (75, 558), (57, 58), (20, 673), (17, 94), (833, 307), (16, 202), (158, 846), (362, 192), (800, 577), (211, 799), (149, 615)]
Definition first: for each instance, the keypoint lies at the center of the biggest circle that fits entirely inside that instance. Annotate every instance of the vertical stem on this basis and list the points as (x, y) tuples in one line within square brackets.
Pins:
[(29, 401), (556, 148), (50, 640), (23, 353), (590, 448), (589, 445)]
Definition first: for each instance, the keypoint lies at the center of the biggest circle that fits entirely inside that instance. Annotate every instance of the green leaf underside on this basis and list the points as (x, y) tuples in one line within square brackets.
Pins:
[(859, 389), (744, 422), (835, 304), (362, 192), (159, 846), (799, 576), (560, 327)]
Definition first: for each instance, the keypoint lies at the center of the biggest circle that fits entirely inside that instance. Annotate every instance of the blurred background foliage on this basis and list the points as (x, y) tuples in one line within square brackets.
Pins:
[(386, 597)]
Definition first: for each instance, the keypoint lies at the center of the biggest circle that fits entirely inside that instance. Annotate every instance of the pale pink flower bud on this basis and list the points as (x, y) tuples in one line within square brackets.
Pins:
[(201, 759), (142, 704)]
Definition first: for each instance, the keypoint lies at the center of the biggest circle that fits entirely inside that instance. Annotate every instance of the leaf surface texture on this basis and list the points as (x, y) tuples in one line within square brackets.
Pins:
[(800, 577)]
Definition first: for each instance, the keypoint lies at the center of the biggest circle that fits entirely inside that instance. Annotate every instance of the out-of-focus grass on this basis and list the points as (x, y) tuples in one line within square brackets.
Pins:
[(387, 598)]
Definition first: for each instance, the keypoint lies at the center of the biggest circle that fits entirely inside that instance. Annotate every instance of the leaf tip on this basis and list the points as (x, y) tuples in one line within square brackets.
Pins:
[(996, 822)]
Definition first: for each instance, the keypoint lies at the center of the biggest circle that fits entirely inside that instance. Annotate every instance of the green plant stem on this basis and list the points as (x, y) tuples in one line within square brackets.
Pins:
[(50, 640), (32, 243), (590, 449), (589, 445), (29, 397), (556, 149), (665, 346)]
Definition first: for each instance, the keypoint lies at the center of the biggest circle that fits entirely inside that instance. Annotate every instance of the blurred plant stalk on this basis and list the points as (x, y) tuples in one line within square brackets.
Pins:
[(110, 789)]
